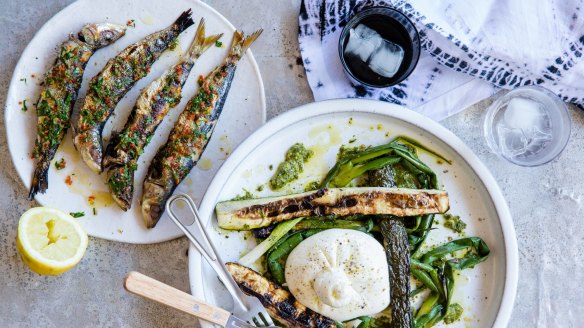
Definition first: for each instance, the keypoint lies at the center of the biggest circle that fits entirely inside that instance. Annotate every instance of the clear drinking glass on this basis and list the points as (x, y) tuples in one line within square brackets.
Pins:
[(528, 126)]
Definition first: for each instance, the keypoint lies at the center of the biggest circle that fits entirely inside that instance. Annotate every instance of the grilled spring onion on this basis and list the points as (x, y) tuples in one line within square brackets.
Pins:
[(407, 172), (281, 230), (357, 222), (437, 266)]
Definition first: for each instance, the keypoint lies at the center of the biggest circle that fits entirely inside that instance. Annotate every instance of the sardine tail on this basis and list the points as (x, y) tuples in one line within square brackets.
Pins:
[(241, 43), (248, 40), (40, 180), (202, 43), (184, 21), (212, 39)]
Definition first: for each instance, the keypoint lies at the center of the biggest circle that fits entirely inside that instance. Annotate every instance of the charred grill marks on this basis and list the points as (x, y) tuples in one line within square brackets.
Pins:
[(308, 207), (191, 133), (60, 87), (113, 82), (278, 301), (154, 103)]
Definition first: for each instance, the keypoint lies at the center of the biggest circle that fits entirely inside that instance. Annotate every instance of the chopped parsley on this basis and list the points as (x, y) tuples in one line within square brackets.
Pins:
[(94, 211), (24, 108), (218, 44), (60, 164), (77, 214)]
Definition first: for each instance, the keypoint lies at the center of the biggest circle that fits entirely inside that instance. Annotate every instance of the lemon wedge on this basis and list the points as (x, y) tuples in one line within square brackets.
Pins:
[(50, 241)]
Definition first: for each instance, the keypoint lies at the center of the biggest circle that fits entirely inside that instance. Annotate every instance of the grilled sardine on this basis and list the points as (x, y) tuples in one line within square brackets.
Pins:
[(281, 305), (60, 86), (151, 107), (109, 86), (191, 133)]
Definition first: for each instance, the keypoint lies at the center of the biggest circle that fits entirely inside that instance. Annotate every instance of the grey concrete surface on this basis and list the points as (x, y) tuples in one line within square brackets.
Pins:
[(545, 203)]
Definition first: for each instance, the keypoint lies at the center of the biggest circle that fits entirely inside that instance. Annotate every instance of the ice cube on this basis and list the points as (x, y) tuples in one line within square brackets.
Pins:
[(527, 115), (362, 42), (512, 141), (538, 141), (386, 59)]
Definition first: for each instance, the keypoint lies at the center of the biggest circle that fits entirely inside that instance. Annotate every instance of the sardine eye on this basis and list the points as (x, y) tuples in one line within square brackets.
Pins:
[(108, 35)]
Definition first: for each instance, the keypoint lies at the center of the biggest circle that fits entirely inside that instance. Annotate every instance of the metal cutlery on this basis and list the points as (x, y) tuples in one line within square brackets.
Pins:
[(246, 308), (155, 290)]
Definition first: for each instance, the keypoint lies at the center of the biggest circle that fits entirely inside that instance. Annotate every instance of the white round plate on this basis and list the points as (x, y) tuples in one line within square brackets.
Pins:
[(243, 113), (486, 292)]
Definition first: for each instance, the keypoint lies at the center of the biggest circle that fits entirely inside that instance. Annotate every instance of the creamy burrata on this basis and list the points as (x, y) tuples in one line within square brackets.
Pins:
[(339, 273)]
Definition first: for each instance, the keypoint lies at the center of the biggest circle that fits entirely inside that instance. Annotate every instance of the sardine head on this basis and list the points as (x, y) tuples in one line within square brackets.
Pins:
[(101, 35)]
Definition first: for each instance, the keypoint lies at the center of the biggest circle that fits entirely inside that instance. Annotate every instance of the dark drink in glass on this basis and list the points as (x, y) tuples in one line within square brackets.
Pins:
[(367, 28)]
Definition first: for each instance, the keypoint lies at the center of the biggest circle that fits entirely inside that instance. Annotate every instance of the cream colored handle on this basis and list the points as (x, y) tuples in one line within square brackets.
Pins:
[(155, 290)]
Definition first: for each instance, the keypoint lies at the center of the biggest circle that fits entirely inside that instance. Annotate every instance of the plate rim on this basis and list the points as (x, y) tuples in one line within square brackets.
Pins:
[(14, 81), (314, 109)]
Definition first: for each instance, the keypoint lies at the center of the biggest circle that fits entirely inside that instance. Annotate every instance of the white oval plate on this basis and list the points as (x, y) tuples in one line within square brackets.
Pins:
[(243, 113), (486, 292)]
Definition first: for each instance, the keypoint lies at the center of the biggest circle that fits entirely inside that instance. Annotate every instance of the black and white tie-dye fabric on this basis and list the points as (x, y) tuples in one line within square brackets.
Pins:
[(470, 49)]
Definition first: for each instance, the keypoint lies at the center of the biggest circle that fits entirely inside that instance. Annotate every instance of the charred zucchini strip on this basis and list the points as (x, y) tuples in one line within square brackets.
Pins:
[(256, 213)]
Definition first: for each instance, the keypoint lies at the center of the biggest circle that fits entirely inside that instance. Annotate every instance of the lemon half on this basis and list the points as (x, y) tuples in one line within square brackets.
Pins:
[(50, 241)]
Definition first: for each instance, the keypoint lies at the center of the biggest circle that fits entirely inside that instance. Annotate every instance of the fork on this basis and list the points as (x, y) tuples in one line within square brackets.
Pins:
[(155, 290), (246, 308)]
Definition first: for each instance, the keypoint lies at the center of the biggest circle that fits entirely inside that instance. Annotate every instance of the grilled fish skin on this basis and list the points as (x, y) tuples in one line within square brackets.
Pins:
[(109, 86), (151, 107), (60, 87), (281, 305), (191, 133)]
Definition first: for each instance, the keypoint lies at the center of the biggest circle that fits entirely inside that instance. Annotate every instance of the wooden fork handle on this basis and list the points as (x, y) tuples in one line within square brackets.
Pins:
[(155, 290)]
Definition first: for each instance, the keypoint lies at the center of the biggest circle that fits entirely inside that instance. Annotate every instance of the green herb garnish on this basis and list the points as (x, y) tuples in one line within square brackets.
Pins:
[(454, 222), (77, 214), (218, 44), (246, 195), (60, 164), (453, 313)]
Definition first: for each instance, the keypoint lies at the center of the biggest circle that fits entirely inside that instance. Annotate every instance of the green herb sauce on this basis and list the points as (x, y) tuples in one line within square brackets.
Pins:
[(246, 195), (453, 314), (454, 222), (290, 169)]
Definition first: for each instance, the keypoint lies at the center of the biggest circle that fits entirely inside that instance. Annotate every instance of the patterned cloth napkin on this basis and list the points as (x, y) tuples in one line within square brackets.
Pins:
[(470, 49)]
